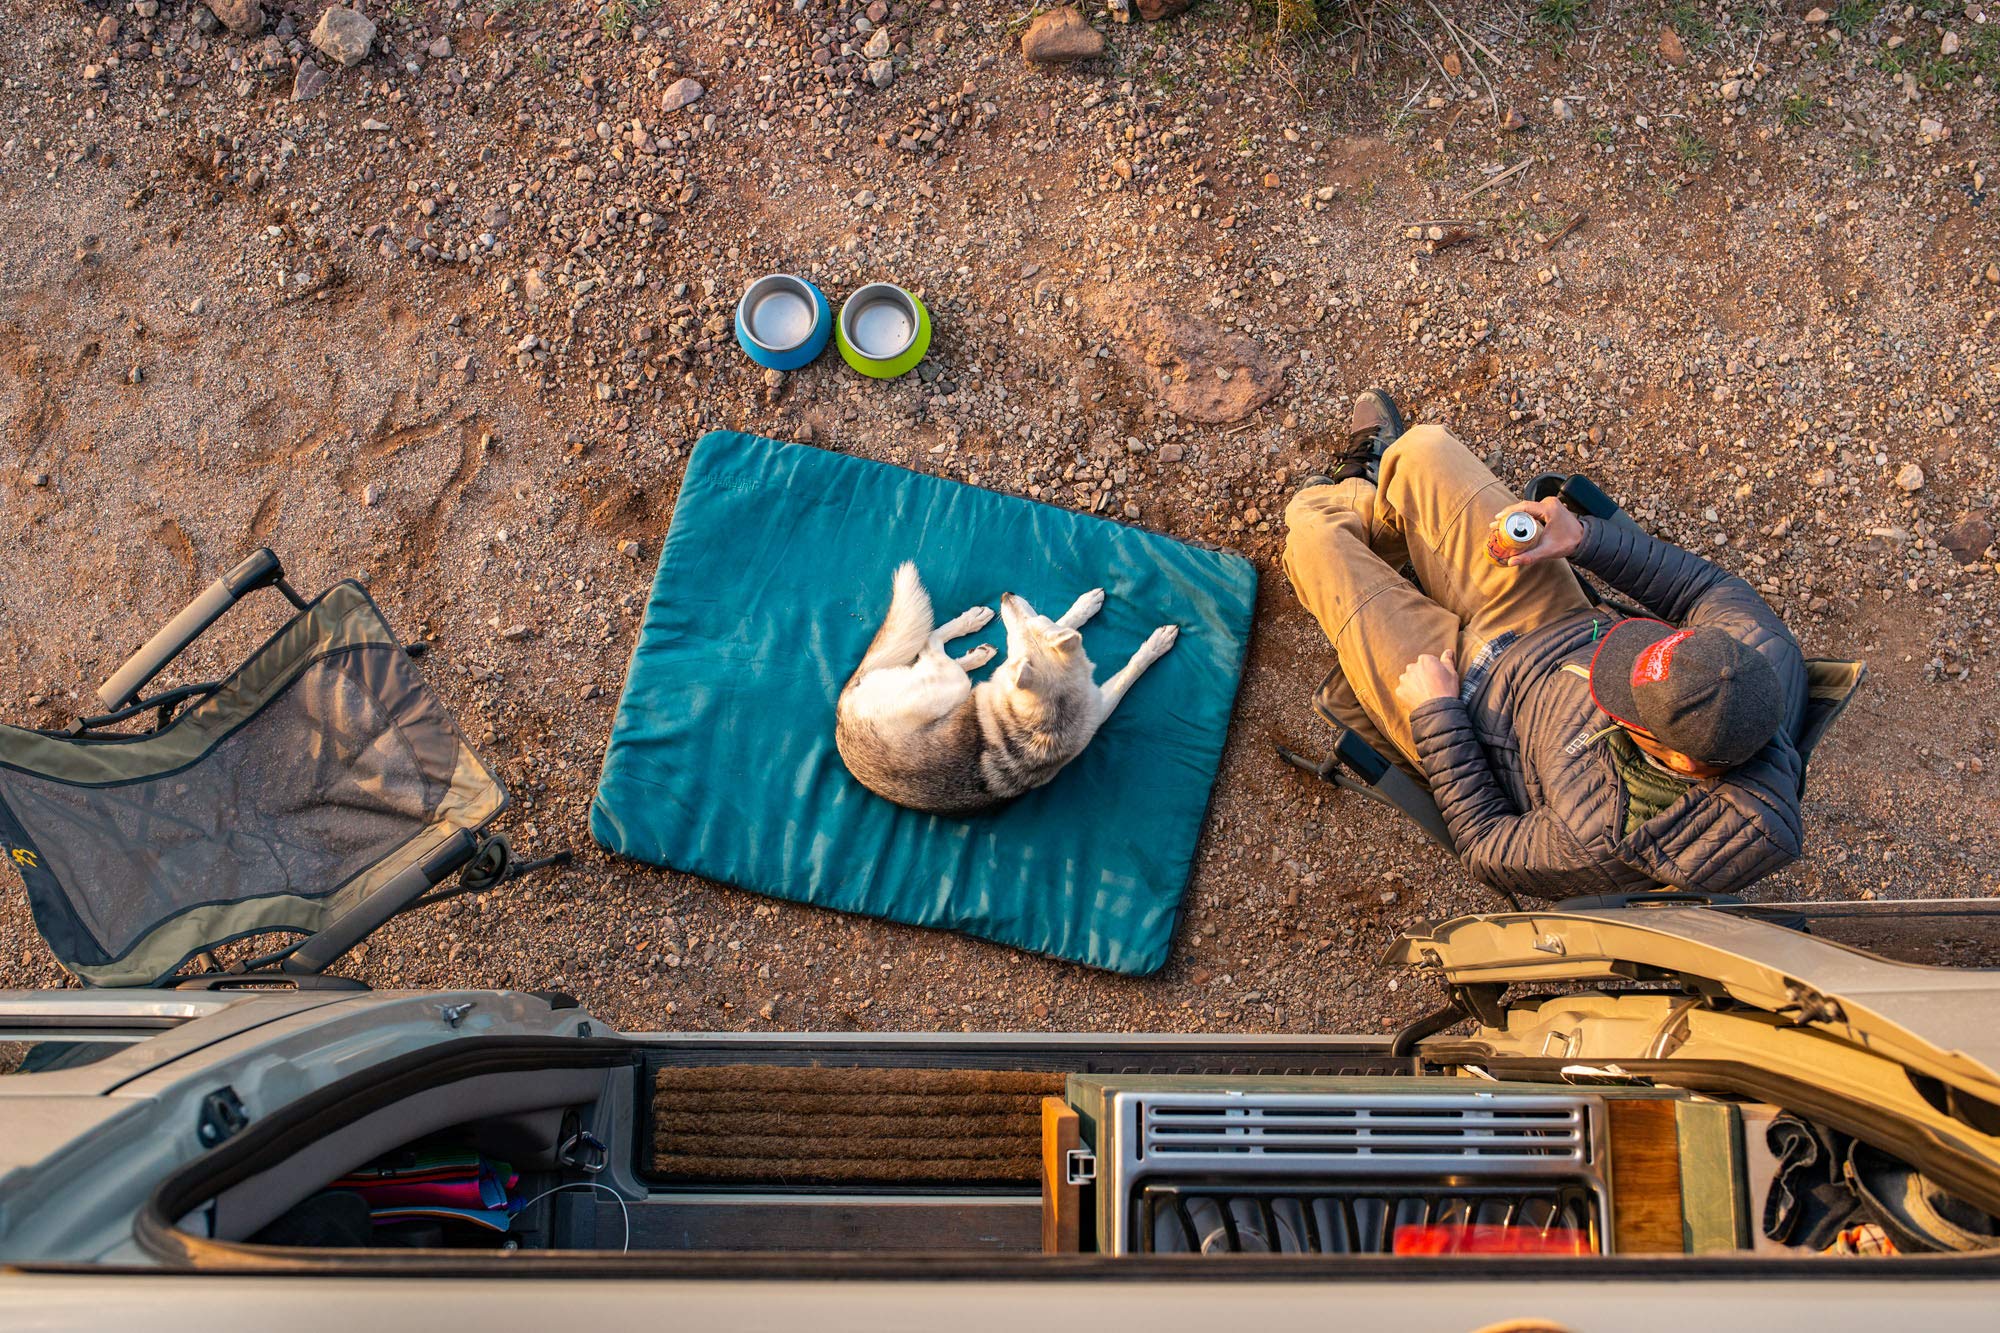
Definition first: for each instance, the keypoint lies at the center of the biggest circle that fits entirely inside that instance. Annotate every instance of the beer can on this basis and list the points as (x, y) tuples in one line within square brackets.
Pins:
[(1517, 532)]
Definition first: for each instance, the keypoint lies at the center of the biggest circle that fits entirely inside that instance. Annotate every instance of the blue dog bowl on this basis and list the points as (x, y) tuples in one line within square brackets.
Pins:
[(783, 322)]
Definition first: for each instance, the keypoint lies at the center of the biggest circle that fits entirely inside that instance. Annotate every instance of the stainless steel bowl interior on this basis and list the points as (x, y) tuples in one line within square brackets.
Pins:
[(879, 321), (779, 312)]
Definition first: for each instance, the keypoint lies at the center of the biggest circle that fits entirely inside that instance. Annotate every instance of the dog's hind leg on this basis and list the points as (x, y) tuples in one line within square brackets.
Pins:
[(1082, 609), (975, 659), (1152, 650)]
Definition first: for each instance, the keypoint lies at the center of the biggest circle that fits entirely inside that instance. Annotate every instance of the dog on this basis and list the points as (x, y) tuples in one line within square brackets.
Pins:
[(913, 728)]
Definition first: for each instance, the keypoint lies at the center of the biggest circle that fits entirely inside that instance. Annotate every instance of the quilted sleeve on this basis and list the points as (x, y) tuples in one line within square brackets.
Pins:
[(1681, 587), (1498, 844)]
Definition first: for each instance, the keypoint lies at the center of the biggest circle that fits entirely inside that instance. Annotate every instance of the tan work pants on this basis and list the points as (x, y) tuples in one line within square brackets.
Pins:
[(1433, 506)]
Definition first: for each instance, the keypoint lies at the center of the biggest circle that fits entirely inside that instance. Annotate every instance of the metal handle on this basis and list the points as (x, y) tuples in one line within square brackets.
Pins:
[(260, 569), (1581, 495)]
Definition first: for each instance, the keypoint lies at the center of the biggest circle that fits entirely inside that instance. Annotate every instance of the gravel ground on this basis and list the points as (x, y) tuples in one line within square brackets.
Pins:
[(449, 320)]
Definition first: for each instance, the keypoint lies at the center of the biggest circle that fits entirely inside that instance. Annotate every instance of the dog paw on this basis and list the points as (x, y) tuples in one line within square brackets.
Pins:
[(1089, 604), (978, 657), (970, 621), (1162, 639)]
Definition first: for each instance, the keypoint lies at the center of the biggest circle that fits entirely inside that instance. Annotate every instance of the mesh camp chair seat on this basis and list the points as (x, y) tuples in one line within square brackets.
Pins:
[(1362, 762), (317, 790)]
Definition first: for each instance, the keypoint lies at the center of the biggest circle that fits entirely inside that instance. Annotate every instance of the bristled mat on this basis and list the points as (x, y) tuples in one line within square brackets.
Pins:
[(781, 1124)]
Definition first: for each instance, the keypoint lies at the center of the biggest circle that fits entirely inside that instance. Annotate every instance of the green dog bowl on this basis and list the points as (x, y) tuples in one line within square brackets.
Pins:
[(883, 331)]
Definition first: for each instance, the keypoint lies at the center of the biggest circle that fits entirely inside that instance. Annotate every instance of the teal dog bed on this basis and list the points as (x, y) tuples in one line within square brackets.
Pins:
[(774, 577)]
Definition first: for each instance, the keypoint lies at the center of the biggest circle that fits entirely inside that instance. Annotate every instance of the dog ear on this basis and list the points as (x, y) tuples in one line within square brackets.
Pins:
[(1064, 641)]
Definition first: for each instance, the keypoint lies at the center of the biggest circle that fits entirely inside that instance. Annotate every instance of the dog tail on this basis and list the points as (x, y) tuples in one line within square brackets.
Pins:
[(906, 627)]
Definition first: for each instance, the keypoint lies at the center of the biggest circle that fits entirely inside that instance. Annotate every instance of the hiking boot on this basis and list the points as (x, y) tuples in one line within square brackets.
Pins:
[(1372, 427)]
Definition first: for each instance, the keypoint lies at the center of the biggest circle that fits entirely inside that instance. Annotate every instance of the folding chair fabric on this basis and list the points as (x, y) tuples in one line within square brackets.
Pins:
[(314, 774)]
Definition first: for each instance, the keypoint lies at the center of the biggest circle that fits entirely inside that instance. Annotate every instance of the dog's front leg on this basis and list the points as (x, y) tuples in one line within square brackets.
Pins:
[(1082, 609), (1152, 650)]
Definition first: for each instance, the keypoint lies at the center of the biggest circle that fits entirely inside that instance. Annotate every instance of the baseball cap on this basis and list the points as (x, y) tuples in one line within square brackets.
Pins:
[(1702, 692)]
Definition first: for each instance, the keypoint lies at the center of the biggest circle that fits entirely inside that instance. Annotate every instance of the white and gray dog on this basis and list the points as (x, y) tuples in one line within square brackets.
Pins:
[(914, 728)]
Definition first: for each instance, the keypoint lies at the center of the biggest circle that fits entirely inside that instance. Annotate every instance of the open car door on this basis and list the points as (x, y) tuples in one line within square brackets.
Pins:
[(1812, 1007)]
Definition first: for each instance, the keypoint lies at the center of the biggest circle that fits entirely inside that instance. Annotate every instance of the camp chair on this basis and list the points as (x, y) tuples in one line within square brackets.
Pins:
[(1360, 766), (318, 790)]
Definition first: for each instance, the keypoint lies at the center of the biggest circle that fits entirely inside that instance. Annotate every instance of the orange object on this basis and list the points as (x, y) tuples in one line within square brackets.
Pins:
[(1491, 1239), (1515, 533)]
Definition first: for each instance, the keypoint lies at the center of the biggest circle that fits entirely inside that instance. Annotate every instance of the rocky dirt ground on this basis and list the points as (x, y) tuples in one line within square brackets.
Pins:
[(449, 319)]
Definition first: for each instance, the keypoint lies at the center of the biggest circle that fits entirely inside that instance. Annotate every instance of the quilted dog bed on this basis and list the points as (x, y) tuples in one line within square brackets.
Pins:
[(773, 578)]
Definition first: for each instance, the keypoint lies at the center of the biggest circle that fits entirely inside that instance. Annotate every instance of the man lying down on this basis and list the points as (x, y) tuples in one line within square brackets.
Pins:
[(1570, 752)]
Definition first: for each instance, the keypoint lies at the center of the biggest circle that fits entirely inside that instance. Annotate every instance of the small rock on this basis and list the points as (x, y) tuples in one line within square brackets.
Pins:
[(1672, 50), (629, 549), (515, 633), (877, 46), (1817, 16), (371, 494), (881, 73), (107, 30), (1911, 478), (242, 17), (680, 93), (1513, 121), (1732, 89), (1161, 9), (309, 83), (1948, 46), (1172, 452), (1562, 110), (1059, 37), (374, 126), (41, 479), (1968, 539), (344, 35)]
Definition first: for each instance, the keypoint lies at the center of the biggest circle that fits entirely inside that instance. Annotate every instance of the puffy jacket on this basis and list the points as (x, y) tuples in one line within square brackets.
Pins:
[(1529, 789)]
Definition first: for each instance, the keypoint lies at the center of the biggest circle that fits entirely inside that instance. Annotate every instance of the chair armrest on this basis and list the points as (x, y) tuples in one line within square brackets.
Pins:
[(260, 569), (367, 916)]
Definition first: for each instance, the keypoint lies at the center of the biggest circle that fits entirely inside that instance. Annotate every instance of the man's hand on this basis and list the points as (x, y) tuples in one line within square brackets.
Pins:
[(1429, 677), (1562, 531)]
